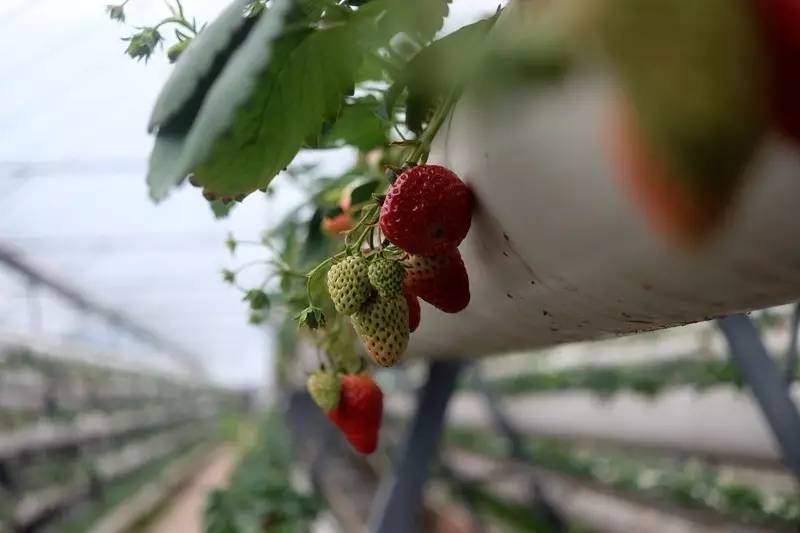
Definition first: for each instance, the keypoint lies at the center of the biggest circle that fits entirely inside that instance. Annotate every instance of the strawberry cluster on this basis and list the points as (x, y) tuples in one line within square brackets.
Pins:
[(424, 217), (426, 214)]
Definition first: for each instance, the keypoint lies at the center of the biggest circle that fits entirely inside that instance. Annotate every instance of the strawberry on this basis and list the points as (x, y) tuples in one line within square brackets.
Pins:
[(348, 284), (442, 280), (382, 324), (781, 32), (386, 276), (693, 75), (325, 389), (427, 211), (341, 223), (359, 412), (414, 311), (684, 214)]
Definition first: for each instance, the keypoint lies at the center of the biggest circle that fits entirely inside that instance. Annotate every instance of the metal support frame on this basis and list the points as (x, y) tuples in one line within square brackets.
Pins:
[(767, 383), (38, 280), (791, 351), (398, 501), (517, 450)]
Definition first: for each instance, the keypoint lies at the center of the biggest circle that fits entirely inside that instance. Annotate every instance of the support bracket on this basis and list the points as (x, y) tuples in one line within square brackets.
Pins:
[(398, 501), (767, 383), (517, 450)]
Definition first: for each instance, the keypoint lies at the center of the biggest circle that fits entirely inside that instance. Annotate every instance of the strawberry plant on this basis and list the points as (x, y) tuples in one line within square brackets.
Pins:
[(269, 79)]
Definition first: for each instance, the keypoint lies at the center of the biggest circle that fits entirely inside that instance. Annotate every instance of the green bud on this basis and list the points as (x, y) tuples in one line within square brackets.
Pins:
[(143, 44), (230, 243), (228, 276), (116, 12), (258, 299), (175, 51)]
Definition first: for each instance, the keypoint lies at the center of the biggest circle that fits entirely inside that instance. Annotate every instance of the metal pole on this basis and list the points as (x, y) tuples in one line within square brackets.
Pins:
[(537, 499), (791, 351), (765, 380), (397, 504)]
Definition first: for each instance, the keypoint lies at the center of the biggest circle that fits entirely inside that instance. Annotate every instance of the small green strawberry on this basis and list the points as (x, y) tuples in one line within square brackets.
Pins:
[(348, 284), (386, 276), (382, 325), (325, 388)]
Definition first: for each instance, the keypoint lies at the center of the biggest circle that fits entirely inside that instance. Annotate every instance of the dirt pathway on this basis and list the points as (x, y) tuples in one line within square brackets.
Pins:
[(184, 513)]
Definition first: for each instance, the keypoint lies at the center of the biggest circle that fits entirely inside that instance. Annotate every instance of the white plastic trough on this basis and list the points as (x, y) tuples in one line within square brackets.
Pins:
[(558, 251)]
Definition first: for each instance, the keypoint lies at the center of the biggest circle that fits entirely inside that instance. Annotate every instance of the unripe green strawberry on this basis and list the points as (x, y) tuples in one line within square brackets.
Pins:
[(348, 284), (382, 325), (386, 276), (325, 388)]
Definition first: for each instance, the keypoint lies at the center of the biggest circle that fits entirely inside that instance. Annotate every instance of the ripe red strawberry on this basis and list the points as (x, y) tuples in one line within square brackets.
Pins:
[(414, 311), (427, 211), (359, 412), (440, 280), (781, 32)]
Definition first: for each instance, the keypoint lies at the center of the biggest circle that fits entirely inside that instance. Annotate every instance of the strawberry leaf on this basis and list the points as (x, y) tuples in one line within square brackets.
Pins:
[(220, 208), (184, 140), (306, 82), (364, 191), (200, 65), (275, 92), (359, 125), (420, 19), (440, 67)]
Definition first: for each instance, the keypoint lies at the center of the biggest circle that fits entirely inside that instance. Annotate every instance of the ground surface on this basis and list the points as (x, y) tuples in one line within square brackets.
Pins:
[(184, 513)]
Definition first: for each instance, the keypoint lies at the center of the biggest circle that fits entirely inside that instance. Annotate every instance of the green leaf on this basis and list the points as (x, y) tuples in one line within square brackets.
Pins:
[(185, 140), (419, 19), (359, 125), (165, 169), (372, 69), (276, 90), (313, 9), (420, 105), (311, 317), (200, 65), (363, 192), (306, 82), (220, 208), (440, 68)]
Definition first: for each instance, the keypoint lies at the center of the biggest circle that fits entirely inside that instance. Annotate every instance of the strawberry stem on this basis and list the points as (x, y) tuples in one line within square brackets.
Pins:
[(421, 152)]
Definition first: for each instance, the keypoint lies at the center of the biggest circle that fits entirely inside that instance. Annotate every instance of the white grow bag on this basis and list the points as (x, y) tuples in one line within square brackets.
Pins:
[(558, 250)]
